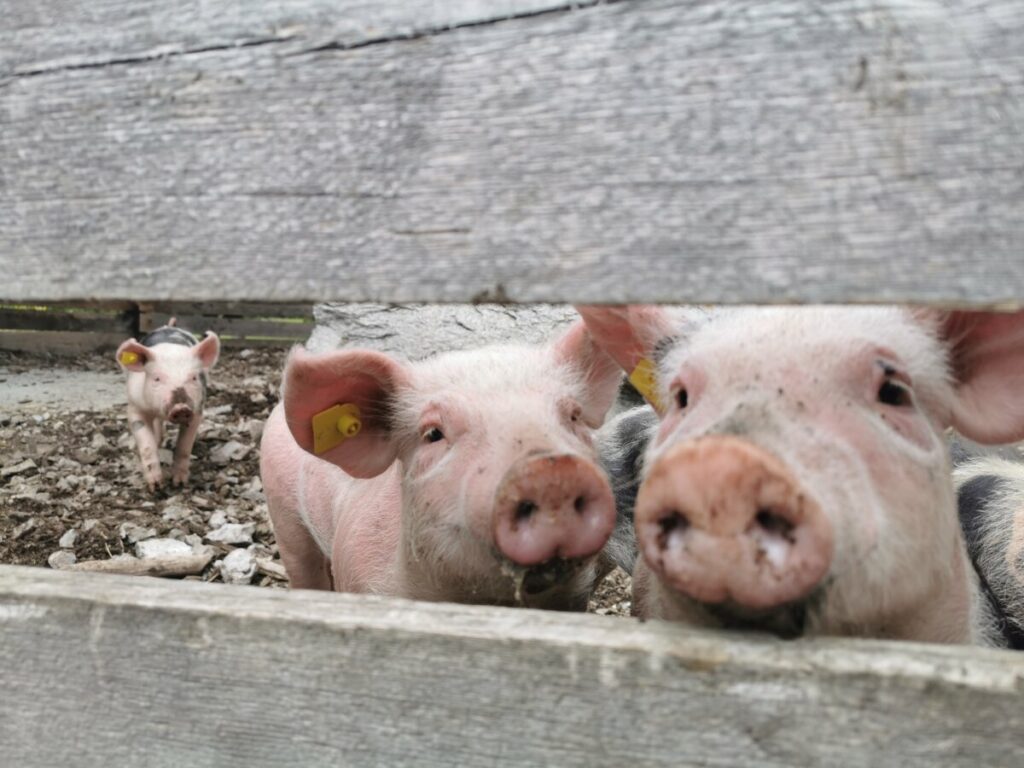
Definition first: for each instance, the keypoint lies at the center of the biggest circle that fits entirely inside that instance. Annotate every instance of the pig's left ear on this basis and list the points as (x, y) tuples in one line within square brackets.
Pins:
[(601, 375), (987, 358), (207, 350)]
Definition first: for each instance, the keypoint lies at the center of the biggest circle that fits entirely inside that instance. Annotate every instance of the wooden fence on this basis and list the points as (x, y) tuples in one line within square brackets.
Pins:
[(75, 327), (520, 150)]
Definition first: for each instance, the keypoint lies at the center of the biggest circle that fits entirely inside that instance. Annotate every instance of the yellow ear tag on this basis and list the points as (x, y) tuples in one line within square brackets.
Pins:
[(334, 426), (129, 358), (645, 379)]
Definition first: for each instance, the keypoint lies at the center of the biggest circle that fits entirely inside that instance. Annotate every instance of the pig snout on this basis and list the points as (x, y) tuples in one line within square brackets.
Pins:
[(721, 520), (552, 506), (179, 414)]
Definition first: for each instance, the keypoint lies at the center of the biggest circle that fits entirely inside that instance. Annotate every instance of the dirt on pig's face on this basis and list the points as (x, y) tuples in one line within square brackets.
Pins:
[(466, 420), (852, 402)]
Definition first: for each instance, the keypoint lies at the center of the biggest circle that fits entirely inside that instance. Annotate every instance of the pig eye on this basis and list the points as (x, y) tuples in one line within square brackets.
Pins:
[(892, 393), (157, 379), (433, 435), (682, 398)]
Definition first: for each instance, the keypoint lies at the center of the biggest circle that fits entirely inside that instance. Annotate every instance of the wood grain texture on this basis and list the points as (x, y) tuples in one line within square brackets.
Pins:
[(721, 151), (105, 670)]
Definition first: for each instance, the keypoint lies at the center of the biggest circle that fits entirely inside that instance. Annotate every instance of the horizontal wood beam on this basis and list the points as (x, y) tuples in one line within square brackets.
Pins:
[(102, 670), (720, 151)]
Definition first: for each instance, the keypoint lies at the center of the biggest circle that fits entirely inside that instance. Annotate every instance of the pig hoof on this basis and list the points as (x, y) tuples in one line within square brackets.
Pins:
[(180, 478)]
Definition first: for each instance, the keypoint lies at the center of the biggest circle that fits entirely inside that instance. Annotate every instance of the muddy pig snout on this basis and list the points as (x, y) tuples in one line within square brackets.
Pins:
[(720, 519), (552, 506)]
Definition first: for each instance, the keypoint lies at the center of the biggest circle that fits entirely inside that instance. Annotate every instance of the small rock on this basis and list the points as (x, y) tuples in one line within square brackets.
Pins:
[(17, 469), (24, 528), (230, 451), (161, 547), (218, 518), (166, 455), (245, 354), (259, 398), (233, 533), (99, 442), (61, 559), (174, 512), (86, 455), (124, 440), (67, 541), (133, 533), (89, 524), (238, 567), (198, 548), (217, 410)]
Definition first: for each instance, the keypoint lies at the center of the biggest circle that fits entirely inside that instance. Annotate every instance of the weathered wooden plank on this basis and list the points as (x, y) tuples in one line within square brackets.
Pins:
[(52, 34), (59, 342), (56, 319), (232, 309), (102, 670), (723, 151)]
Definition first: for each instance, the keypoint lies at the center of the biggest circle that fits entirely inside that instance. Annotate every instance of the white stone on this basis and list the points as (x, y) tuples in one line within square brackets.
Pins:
[(61, 559), (233, 533), (67, 541), (230, 451), (161, 547), (238, 567)]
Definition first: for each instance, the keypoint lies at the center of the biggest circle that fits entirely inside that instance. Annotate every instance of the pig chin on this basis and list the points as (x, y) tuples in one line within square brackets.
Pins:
[(789, 621)]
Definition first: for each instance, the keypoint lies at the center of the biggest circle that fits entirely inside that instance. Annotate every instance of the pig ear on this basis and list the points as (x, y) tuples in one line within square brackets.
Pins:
[(629, 334), (368, 380), (987, 358), (207, 350), (132, 356), (601, 375)]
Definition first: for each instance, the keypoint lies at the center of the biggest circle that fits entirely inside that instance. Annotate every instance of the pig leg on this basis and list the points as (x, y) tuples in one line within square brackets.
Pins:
[(183, 449), (146, 442)]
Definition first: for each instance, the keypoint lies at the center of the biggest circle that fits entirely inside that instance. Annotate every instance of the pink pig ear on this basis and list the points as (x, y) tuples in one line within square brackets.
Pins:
[(207, 350), (132, 356), (628, 334), (368, 380), (987, 357), (601, 374)]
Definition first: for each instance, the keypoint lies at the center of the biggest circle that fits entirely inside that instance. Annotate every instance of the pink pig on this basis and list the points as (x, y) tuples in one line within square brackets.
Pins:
[(471, 471), (167, 382), (799, 479)]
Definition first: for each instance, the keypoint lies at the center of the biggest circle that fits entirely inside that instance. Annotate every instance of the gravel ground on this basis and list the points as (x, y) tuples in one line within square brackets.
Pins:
[(71, 488)]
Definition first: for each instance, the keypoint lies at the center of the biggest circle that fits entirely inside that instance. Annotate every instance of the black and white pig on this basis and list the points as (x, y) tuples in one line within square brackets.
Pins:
[(167, 382), (797, 477)]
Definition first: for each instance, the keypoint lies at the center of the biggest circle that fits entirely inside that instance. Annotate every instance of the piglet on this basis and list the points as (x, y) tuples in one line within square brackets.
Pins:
[(797, 478), (166, 382), (469, 477)]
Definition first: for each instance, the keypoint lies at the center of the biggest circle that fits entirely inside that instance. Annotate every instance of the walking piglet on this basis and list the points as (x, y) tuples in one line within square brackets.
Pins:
[(167, 383)]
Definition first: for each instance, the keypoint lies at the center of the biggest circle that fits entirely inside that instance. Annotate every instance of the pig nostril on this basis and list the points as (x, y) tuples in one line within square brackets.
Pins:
[(580, 504), (524, 509), (671, 523), (774, 523)]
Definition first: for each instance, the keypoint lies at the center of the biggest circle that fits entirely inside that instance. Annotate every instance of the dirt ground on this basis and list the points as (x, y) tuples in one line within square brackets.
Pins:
[(70, 479)]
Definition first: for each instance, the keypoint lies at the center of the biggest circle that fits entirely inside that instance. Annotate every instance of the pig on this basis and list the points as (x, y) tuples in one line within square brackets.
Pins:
[(167, 378), (797, 479), (990, 502), (471, 476)]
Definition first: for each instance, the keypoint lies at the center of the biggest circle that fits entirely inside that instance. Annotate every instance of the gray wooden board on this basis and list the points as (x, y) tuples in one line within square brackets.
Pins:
[(719, 151), (106, 670)]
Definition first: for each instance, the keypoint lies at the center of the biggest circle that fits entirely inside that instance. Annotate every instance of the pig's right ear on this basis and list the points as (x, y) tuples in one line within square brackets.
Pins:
[(629, 335), (132, 356), (313, 384)]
